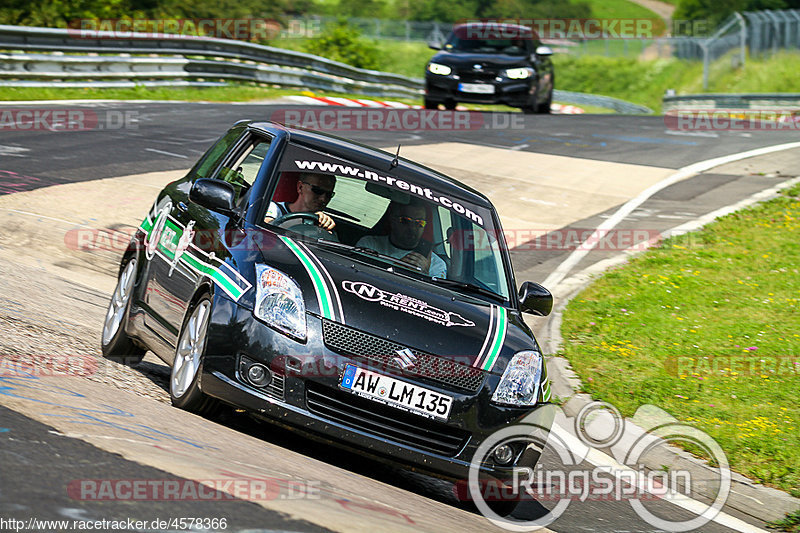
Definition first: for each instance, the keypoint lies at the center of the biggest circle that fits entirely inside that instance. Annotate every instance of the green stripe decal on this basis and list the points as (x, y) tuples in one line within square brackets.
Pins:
[(147, 225), (546, 394), (219, 278), (323, 296), (499, 338)]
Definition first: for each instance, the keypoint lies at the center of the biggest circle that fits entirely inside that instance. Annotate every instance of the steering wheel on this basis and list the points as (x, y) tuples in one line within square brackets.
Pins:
[(308, 226), (313, 218)]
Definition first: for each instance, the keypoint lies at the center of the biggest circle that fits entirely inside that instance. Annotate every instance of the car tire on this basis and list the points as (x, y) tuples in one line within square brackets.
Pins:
[(431, 104), (114, 341), (184, 378), (544, 108), (503, 508), (450, 105)]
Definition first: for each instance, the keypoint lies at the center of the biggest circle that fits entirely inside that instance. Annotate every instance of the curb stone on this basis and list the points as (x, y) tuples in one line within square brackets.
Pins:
[(746, 496)]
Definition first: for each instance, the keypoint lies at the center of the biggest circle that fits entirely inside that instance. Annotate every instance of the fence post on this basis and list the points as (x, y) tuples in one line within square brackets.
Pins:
[(742, 37)]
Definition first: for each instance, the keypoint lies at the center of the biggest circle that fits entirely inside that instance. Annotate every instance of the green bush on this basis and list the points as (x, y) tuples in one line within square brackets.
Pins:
[(342, 42)]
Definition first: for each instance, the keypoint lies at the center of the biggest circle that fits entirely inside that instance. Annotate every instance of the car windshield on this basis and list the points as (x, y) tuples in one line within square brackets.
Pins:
[(515, 46), (391, 221)]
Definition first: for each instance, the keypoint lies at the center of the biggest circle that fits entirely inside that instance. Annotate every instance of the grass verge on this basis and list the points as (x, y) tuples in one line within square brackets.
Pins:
[(705, 327), (790, 524)]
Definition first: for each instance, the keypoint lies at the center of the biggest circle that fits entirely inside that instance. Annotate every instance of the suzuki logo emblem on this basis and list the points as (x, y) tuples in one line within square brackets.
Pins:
[(405, 359)]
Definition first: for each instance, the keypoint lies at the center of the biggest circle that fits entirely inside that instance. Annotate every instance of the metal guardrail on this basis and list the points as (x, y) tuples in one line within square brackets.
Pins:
[(199, 61), (784, 102), (228, 59), (620, 106)]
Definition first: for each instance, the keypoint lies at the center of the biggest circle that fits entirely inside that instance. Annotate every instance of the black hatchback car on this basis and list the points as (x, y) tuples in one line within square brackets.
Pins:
[(324, 331), (490, 63)]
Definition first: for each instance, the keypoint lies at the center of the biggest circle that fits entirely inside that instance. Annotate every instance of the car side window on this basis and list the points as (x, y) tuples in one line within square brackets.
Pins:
[(214, 156), (241, 172)]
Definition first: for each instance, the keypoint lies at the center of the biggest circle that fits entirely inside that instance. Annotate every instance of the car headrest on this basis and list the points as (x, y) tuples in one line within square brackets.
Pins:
[(286, 191)]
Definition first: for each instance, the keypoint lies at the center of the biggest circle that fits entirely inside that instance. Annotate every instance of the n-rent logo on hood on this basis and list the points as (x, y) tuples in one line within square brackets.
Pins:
[(407, 304)]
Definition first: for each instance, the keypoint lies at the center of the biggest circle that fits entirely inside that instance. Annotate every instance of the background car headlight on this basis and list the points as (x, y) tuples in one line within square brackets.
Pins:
[(279, 302), (442, 70), (519, 385), (519, 73)]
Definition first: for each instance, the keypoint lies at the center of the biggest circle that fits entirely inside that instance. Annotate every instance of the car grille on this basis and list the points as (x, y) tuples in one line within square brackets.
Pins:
[(383, 421), (383, 352), (477, 77)]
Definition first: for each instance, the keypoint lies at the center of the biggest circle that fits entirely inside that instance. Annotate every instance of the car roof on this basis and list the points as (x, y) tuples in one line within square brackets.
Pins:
[(377, 159)]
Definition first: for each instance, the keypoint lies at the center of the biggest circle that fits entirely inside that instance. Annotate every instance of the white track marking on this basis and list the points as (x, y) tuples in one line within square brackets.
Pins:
[(166, 153), (558, 275)]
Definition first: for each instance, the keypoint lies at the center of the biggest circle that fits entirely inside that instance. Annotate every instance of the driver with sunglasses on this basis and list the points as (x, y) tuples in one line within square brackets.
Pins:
[(406, 225), (314, 191)]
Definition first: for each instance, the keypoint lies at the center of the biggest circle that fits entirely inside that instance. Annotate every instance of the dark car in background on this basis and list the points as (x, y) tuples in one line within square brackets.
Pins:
[(490, 63), (316, 331)]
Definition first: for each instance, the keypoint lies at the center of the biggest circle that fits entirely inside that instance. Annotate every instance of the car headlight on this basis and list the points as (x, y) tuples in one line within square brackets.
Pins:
[(442, 70), (519, 73), (279, 302), (519, 385)]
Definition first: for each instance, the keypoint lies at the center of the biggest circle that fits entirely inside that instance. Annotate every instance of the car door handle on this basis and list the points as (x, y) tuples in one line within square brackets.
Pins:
[(182, 207)]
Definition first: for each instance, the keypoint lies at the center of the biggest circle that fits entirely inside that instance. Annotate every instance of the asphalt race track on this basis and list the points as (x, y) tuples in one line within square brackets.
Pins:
[(57, 432)]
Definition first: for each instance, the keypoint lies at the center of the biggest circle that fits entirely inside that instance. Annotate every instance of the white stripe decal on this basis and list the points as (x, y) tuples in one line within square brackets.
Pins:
[(333, 289), (489, 330)]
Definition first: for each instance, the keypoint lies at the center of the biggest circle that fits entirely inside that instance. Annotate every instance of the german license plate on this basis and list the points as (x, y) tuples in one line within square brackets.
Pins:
[(477, 88), (396, 393)]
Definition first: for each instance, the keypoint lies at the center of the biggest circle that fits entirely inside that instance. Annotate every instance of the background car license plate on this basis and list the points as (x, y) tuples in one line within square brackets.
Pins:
[(396, 393), (479, 88)]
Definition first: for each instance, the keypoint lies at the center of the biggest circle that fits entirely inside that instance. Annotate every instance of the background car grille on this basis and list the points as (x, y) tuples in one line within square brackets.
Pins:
[(477, 77), (355, 343), (386, 422)]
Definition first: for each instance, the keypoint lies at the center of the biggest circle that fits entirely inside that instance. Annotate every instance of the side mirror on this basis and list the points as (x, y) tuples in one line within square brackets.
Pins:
[(544, 51), (215, 195), (435, 45), (535, 299)]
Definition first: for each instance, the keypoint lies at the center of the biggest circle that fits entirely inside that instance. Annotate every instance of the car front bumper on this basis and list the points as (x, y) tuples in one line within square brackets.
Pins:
[(514, 93), (308, 398)]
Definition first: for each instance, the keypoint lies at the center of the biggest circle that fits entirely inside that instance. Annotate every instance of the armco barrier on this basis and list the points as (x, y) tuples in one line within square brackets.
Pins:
[(785, 102), (205, 57)]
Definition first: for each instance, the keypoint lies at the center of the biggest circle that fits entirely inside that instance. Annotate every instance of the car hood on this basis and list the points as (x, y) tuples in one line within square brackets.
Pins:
[(417, 314), (461, 60)]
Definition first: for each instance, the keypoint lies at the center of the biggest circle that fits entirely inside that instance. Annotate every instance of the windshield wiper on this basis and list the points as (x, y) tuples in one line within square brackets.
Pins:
[(469, 287), (367, 251)]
